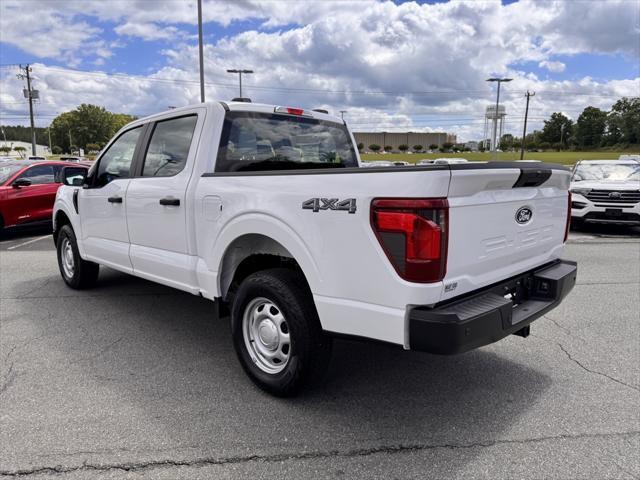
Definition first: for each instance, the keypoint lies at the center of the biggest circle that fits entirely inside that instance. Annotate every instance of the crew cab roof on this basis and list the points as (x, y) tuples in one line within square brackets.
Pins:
[(238, 107)]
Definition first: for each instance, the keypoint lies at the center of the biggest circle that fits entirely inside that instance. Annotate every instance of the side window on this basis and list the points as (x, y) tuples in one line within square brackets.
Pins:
[(40, 174), (116, 162), (169, 147)]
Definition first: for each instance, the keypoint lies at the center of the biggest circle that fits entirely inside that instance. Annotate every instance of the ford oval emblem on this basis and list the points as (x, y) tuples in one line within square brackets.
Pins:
[(523, 215)]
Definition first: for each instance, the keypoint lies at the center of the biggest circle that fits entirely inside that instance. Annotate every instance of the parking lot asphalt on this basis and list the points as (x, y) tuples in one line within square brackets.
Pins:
[(136, 380)]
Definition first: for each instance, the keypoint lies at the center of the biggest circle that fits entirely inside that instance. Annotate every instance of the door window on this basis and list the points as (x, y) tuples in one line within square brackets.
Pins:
[(116, 162), (39, 174), (169, 147)]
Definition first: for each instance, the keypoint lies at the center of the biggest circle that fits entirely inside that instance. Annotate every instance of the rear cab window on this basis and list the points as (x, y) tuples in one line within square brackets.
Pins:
[(168, 149), (253, 141)]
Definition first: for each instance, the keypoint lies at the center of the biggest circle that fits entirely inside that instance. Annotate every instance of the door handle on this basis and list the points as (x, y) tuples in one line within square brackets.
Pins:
[(172, 202), (114, 199)]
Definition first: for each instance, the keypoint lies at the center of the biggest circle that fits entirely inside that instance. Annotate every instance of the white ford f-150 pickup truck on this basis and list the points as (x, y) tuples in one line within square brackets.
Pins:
[(266, 209)]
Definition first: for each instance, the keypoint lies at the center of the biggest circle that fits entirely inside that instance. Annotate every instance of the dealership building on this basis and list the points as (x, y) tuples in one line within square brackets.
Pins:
[(395, 139)]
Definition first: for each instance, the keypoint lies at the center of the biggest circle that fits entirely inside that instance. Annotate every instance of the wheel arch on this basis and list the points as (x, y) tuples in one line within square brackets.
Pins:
[(60, 219), (251, 253), (264, 236)]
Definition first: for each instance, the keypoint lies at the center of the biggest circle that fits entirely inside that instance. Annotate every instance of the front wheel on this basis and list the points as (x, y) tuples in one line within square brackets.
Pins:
[(276, 332), (76, 272)]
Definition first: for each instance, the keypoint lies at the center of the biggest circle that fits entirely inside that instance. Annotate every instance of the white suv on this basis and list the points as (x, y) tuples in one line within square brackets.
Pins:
[(606, 191)]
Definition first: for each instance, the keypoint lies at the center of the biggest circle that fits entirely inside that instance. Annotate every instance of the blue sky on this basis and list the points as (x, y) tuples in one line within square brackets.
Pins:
[(367, 57)]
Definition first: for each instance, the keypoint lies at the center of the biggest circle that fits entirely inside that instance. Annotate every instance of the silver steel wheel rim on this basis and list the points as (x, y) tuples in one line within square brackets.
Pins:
[(68, 261), (266, 335)]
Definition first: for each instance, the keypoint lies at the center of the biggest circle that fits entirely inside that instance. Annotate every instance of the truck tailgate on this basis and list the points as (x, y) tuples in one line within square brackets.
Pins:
[(502, 222)]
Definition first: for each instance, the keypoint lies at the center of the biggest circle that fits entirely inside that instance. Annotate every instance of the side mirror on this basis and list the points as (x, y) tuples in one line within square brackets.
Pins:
[(74, 176), (21, 182)]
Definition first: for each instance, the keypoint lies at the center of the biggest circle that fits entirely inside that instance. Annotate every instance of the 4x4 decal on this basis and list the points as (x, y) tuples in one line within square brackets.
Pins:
[(317, 204)]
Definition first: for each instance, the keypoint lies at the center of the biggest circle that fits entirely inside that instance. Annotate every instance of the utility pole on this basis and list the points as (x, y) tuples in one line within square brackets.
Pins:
[(30, 96), (49, 132), (526, 114), (70, 142), (201, 51), (239, 72), (342, 112), (561, 133), (494, 144)]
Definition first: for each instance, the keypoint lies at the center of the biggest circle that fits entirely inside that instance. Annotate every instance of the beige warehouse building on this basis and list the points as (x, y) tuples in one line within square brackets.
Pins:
[(395, 139)]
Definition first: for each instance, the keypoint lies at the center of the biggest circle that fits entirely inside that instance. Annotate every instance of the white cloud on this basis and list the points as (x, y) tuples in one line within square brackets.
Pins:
[(148, 31), (391, 66), (555, 67)]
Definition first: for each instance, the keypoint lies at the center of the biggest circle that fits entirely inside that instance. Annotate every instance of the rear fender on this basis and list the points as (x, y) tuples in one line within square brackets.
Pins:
[(285, 242)]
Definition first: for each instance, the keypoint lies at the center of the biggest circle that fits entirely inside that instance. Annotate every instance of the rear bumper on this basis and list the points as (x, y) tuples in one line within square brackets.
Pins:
[(491, 314)]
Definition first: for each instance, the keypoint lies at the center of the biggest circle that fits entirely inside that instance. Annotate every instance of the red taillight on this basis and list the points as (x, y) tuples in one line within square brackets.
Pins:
[(413, 234), (568, 226)]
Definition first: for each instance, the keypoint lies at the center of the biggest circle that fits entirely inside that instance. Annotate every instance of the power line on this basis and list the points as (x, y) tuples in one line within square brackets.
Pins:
[(480, 93)]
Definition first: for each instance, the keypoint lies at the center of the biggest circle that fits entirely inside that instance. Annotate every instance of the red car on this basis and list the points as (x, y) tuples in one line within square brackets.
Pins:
[(28, 190)]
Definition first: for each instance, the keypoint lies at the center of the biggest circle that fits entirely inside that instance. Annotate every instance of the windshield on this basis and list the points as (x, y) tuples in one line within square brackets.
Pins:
[(7, 170), (620, 172), (261, 141)]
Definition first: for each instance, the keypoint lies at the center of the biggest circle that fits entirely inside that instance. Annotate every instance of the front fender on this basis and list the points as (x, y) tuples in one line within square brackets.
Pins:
[(64, 204)]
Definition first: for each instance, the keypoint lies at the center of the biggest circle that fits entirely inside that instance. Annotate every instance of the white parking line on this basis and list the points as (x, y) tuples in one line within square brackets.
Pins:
[(33, 240)]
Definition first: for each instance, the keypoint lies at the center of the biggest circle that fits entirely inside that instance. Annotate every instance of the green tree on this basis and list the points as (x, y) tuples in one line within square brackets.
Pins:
[(433, 146), (403, 148), (21, 151), (590, 127), (558, 128), (375, 148), (93, 147), (447, 145), (91, 124), (417, 148), (87, 124), (623, 122), (388, 148), (18, 133), (56, 150), (360, 146), (5, 149), (532, 140), (506, 141), (118, 120)]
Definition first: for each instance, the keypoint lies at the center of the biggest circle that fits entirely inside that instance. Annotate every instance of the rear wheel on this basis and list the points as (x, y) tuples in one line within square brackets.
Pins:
[(76, 272), (277, 333)]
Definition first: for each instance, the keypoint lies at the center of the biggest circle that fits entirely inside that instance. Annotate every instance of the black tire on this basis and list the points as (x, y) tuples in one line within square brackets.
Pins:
[(84, 274), (310, 348)]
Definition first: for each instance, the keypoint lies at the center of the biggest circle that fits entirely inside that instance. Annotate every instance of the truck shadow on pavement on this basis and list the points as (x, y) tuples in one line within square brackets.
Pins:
[(144, 360)]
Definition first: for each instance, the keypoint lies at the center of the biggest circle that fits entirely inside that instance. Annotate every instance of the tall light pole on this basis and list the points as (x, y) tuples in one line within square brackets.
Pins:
[(239, 72), (342, 112), (201, 51), (494, 145)]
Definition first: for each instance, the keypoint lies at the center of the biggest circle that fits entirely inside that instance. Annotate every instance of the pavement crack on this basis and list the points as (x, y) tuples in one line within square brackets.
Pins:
[(40, 286), (8, 379), (100, 352), (595, 372), (294, 456)]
